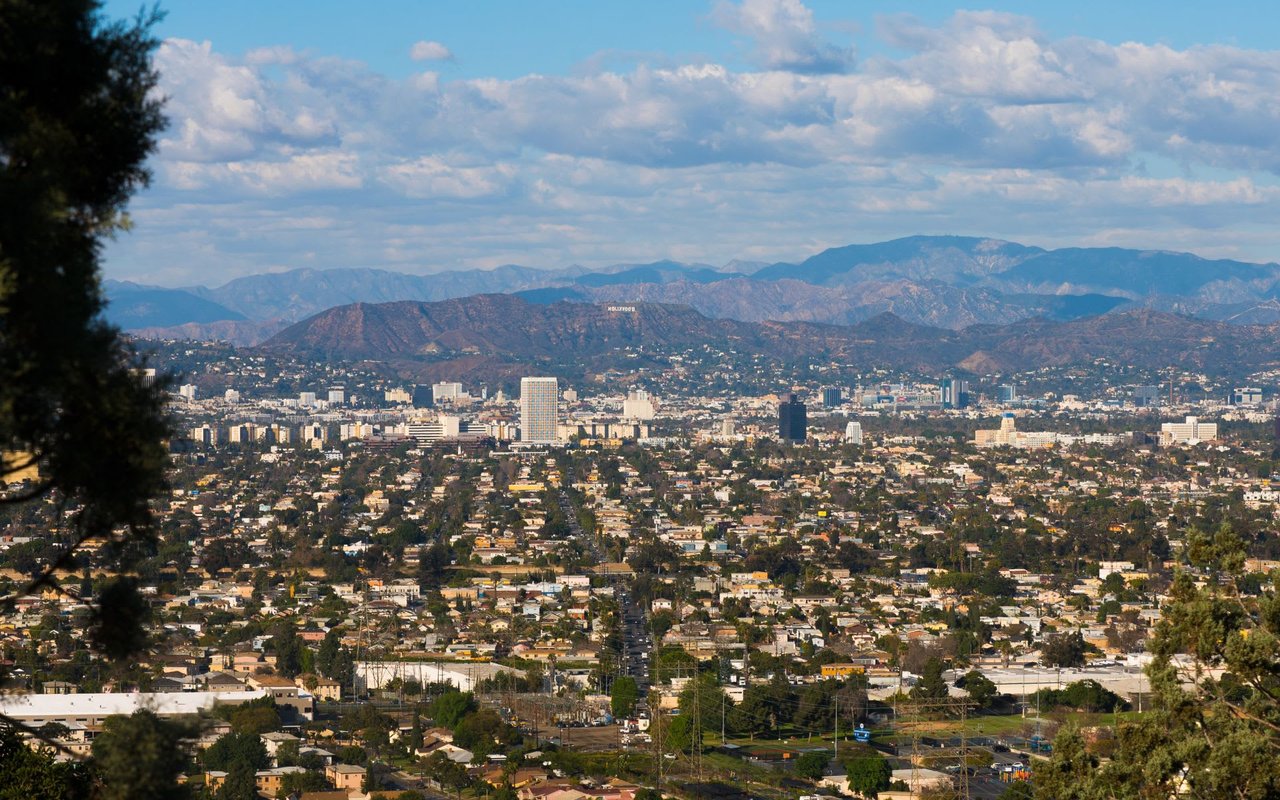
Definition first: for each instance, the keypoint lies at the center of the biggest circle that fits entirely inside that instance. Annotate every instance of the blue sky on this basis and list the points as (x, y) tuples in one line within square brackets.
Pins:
[(423, 136)]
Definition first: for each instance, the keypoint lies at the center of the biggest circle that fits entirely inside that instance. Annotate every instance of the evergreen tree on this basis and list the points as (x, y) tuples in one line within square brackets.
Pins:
[(931, 685), (623, 696), (1220, 738), (78, 117), (241, 784), (139, 757)]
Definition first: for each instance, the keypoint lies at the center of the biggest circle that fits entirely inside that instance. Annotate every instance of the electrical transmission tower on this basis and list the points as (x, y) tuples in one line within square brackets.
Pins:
[(912, 715)]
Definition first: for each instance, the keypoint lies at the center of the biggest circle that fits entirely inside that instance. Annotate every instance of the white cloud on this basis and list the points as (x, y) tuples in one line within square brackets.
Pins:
[(430, 51), (986, 125), (784, 36)]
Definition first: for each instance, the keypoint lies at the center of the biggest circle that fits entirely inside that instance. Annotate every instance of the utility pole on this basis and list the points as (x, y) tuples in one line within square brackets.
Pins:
[(723, 696), (837, 736), (695, 737), (655, 725)]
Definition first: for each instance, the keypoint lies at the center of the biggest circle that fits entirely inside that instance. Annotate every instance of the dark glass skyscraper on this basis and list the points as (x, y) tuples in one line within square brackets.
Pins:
[(793, 422), (955, 393)]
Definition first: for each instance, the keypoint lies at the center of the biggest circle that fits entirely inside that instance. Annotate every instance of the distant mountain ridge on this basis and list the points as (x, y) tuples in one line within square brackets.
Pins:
[(486, 331), (944, 281)]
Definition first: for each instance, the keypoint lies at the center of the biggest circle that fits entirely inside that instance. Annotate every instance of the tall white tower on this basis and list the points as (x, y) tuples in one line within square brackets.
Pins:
[(538, 407)]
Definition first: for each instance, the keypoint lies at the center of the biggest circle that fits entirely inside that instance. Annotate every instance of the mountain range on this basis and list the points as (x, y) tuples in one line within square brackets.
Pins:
[(940, 281), (500, 335)]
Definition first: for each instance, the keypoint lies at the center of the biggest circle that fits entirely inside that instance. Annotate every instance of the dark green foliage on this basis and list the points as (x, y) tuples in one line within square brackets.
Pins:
[(481, 731), (980, 688), (1086, 695), (1218, 739), (300, 782), (623, 696), (868, 772), (240, 784), (77, 119), (288, 647), (234, 749), (139, 757), (1063, 650), (990, 583), (117, 627), (450, 707), (931, 686), (26, 774), (813, 765), (256, 719)]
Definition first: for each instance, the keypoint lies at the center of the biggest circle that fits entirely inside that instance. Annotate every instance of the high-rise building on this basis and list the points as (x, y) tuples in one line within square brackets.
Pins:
[(853, 432), (832, 396), (337, 395), (423, 396), (1189, 432), (1007, 393), (538, 410), (955, 393), (793, 422), (638, 405), (1146, 396), (306, 398), (446, 392), (1246, 396)]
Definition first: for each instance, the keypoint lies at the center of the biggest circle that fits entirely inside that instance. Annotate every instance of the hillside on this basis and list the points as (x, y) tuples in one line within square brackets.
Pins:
[(944, 281), (505, 328)]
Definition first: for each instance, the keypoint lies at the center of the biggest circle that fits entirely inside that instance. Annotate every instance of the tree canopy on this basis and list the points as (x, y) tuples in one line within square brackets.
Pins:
[(1213, 726), (78, 117)]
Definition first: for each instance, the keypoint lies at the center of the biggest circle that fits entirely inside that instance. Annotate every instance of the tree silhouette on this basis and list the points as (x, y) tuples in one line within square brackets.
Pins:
[(78, 117)]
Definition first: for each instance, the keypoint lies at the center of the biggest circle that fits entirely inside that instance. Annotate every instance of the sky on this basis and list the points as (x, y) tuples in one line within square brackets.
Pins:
[(424, 137)]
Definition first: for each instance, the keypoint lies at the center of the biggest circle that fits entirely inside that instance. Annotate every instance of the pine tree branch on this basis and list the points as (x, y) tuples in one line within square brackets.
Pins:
[(37, 733)]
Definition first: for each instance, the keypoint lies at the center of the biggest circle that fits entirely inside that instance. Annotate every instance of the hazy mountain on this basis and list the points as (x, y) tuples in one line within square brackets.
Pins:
[(242, 333), (946, 281), (1132, 273), (957, 259), (491, 328), (131, 306), (302, 292), (928, 302)]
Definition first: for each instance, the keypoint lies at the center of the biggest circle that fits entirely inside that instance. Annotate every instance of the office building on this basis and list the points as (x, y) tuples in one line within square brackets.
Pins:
[(793, 422), (1246, 396), (446, 426), (205, 435), (638, 405), (955, 393), (423, 397), (832, 396), (187, 391), (337, 396), (396, 396), (853, 433), (539, 398), (1189, 432), (1146, 396), (244, 433), (1007, 393), (448, 392), (314, 434), (306, 398)]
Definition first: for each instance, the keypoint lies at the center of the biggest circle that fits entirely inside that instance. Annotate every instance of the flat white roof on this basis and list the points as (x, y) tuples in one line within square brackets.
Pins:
[(100, 704)]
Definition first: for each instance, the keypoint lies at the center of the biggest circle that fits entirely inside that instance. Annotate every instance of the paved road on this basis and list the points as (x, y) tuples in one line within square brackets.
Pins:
[(636, 642)]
